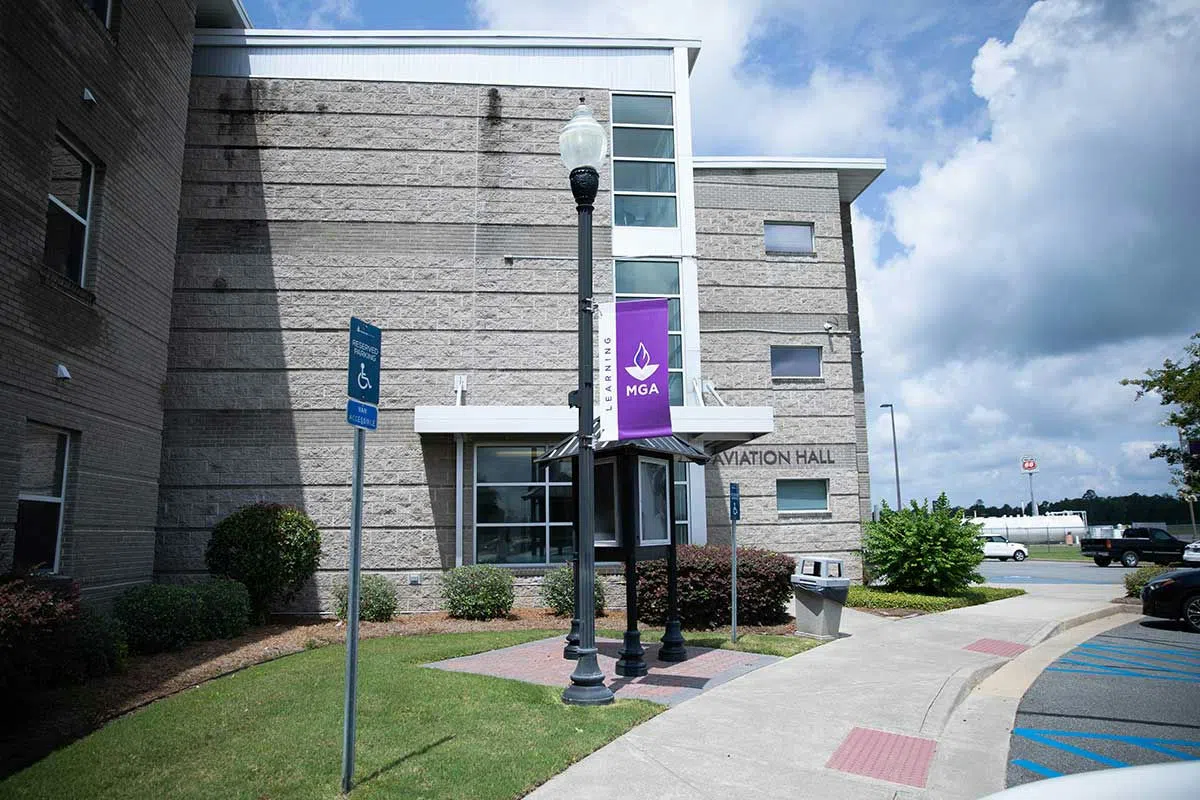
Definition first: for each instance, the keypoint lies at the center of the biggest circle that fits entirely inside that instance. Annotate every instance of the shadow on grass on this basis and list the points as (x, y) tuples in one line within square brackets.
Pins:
[(397, 762)]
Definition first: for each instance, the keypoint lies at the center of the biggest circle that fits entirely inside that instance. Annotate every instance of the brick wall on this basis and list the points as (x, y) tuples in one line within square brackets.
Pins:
[(112, 334), (307, 201), (749, 301)]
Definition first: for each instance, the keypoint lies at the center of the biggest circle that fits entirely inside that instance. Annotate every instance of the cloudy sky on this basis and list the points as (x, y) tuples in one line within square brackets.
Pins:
[(1033, 241)]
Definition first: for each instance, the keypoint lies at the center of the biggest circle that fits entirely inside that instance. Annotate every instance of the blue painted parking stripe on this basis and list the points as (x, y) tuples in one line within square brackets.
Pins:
[(1138, 664), (1041, 738), (1149, 742), (1040, 769), (1168, 650), (1098, 670), (1186, 661)]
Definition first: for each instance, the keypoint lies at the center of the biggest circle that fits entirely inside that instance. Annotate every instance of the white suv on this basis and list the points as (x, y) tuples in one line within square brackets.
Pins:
[(997, 546), (1191, 553)]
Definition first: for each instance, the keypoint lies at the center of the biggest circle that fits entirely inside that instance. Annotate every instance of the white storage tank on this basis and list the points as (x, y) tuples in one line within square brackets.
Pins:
[(1051, 528)]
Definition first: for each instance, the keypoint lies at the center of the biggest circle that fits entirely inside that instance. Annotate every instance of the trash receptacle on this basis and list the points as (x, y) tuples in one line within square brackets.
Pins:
[(821, 592)]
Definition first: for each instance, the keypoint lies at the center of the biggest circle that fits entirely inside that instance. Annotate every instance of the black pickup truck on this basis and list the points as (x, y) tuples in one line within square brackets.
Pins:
[(1135, 546)]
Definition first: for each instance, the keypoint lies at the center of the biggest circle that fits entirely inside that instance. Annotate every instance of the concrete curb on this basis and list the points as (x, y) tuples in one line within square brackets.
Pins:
[(963, 681)]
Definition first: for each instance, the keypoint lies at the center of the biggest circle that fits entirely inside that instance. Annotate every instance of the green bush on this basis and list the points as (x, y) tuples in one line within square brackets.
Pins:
[(376, 599), (871, 597), (226, 608), (705, 584), (480, 591), (159, 616), (47, 639), (1135, 581), (558, 592), (924, 550), (272, 549)]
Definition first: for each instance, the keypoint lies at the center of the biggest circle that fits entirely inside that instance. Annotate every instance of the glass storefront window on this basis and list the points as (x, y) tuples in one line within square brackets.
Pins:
[(523, 511)]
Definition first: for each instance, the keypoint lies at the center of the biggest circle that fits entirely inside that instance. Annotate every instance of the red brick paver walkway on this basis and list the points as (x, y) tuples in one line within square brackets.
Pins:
[(670, 684)]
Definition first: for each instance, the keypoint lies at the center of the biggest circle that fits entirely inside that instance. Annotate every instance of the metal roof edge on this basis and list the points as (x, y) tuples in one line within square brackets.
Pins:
[(462, 38)]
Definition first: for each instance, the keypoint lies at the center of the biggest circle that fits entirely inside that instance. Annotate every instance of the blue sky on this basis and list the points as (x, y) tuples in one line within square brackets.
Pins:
[(1032, 241)]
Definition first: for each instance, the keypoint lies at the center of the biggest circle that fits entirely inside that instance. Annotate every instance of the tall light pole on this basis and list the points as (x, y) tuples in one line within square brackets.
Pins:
[(895, 450), (583, 145)]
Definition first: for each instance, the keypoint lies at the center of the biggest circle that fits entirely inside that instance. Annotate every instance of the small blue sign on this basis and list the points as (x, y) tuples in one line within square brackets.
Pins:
[(362, 374), (735, 502), (361, 415)]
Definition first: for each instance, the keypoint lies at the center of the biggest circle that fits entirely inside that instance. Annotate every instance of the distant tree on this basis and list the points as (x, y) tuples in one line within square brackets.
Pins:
[(1089, 495), (1178, 386)]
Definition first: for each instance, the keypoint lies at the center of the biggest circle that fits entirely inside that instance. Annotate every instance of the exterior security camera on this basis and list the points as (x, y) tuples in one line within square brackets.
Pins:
[(828, 326)]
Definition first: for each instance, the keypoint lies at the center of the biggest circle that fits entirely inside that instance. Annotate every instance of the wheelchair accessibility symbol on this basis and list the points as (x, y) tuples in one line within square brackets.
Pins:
[(365, 343), (364, 382)]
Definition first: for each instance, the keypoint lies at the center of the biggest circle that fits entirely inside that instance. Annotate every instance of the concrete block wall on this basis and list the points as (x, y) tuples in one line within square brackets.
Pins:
[(440, 213), (112, 332), (750, 300)]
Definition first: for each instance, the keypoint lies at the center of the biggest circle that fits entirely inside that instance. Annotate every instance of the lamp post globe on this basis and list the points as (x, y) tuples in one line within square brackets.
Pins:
[(582, 142), (583, 145)]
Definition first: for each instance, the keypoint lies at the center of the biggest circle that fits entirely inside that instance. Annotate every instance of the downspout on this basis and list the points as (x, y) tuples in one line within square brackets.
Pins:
[(458, 499)]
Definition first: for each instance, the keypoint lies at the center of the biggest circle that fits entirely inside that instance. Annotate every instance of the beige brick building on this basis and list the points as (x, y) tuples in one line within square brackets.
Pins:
[(413, 180)]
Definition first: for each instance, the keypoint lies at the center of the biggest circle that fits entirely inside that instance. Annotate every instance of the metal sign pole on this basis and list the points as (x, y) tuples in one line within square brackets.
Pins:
[(735, 513), (348, 727)]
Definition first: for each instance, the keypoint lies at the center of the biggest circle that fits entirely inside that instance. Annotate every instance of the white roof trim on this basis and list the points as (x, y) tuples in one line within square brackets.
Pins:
[(388, 38), (714, 421), (854, 174), (788, 162)]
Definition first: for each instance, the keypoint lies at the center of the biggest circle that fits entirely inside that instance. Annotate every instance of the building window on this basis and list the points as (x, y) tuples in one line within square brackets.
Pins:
[(40, 499), (788, 238), (102, 9), (682, 528), (524, 512), (654, 509), (643, 161), (801, 494), (789, 361), (68, 211), (606, 504), (641, 280)]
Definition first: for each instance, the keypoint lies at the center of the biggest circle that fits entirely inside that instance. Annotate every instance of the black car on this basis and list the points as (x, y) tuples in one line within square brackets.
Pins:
[(1174, 595)]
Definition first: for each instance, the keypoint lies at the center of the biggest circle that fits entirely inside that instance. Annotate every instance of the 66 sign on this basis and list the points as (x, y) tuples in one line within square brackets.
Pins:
[(1029, 464)]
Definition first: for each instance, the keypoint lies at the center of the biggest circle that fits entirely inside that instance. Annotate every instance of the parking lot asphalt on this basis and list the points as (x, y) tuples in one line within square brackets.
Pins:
[(1059, 572), (1126, 697)]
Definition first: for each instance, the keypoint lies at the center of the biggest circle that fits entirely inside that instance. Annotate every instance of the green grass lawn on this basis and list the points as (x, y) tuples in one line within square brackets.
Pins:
[(873, 597), (275, 731), (1057, 552), (767, 644)]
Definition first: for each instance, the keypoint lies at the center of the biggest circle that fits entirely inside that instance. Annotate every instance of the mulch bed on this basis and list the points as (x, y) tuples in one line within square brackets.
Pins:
[(55, 718)]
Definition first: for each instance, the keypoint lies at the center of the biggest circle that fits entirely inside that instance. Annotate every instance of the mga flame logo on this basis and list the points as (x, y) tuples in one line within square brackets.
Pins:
[(642, 368)]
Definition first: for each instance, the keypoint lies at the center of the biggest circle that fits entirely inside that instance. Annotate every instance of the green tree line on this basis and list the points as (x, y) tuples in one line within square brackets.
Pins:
[(1102, 510)]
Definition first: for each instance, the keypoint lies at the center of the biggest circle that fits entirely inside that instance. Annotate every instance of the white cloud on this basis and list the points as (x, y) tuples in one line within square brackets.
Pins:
[(314, 14), (981, 417)]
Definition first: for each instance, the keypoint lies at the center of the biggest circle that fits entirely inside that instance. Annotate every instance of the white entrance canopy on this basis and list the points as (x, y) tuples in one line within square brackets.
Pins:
[(716, 428)]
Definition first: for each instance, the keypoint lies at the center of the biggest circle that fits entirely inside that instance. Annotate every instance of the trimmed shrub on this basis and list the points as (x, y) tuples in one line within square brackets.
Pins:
[(705, 584), (1136, 581), (481, 591), (924, 550), (159, 617), (47, 639), (869, 597), (376, 599), (558, 592), (226, 608), (272, 549)]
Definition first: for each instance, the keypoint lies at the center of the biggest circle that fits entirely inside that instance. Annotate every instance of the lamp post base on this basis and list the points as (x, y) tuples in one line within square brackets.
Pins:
[(672, 643), (632, 663), (587, 682), (571, 651)]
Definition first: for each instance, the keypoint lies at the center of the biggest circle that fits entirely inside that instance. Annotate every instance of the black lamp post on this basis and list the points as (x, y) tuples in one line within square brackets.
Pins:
[(583, 145)]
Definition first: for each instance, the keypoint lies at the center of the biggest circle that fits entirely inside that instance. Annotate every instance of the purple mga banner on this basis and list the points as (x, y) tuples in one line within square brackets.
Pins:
[(634, 396)]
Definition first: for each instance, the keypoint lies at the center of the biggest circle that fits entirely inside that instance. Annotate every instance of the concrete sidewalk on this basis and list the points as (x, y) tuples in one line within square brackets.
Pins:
[(819, 724)]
